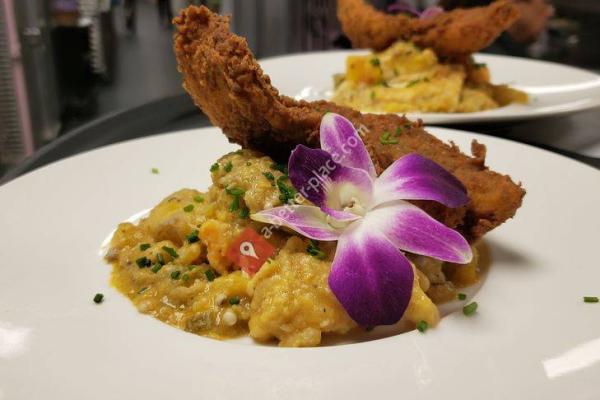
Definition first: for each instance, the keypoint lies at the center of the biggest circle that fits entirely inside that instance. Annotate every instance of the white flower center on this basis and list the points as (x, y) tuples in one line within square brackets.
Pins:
[(355, 207), (335, 223)]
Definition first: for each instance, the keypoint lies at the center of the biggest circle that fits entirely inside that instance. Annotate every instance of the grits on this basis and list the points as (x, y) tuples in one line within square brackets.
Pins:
[(173, 265), (404, 78)]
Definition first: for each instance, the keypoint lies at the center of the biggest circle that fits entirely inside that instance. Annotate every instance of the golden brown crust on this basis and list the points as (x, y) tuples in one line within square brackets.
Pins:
[(226, 82), (455, 34)]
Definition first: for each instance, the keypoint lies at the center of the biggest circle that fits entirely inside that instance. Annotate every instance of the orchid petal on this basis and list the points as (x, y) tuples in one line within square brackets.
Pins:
[(414, 177), (340, 139), (370, 277), (309, 221), (403, 8), (430, 12), (327, 184), (413, 230)]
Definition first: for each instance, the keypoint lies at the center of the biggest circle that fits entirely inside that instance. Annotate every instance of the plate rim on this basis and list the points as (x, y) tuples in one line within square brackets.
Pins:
[(375, 354)]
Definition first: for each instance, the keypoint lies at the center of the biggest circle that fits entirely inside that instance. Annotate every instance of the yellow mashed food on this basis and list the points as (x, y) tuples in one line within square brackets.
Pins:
[(173, 265), (405, 78)]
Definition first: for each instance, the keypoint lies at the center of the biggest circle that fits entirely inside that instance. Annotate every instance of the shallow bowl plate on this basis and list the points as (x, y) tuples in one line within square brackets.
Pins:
[(532, 338)]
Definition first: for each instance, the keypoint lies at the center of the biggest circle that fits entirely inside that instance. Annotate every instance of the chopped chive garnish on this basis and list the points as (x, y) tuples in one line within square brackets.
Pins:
[(398, 131), (185, 277), (269, 176), (142, 290), (422, 326), (98, 298), (461, 296), (235, 204), (170, 251), (470, 308), (235, 191), (228, 167), (199, 199), (386, 138), (313, 250), (160, 259), (375, 62), (287, 193), (143, 262), (188, 208), (244, 212), (156, 268), (193, 237), (214, 167), (413, 83), (144, 246), (591, 299), (279, 167), (210, 275), (155, 171), (234, 300), (175, 275)]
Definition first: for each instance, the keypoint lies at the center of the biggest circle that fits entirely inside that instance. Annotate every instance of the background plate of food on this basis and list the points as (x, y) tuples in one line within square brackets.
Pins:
[(532, 336), (388, 246), (536, 88)]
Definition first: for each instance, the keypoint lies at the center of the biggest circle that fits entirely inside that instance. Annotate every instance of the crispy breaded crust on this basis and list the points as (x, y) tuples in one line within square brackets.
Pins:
[(226, 82), (455, 34)]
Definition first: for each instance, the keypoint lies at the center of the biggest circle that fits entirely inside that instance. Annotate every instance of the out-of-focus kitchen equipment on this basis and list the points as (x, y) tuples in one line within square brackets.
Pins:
[(275, 27), (29, 113)]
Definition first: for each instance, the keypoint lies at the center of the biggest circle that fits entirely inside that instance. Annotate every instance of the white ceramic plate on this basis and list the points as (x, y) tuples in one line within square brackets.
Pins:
[(532, 338), (554, 89)]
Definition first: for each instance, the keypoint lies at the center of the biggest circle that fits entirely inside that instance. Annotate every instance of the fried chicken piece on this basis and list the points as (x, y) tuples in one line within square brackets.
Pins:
[(452, 35), (226, 82)]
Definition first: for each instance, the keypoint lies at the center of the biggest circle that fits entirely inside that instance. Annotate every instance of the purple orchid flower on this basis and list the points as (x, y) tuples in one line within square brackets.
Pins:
[(429, 12), (370, 218)]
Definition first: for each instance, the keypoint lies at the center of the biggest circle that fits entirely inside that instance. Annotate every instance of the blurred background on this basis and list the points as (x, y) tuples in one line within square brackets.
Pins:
[(64, 63)]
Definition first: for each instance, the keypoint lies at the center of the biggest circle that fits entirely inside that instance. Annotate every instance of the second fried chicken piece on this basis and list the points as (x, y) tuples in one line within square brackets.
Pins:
[(226, 82), (454, 35)]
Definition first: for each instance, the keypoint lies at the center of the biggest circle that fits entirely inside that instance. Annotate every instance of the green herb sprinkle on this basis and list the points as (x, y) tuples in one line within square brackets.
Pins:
[(386, 138), (170, 251), (470, 308), (143, 262), (313, 250), (193, 236), (210, 275), (144, 246), (98, 298)]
